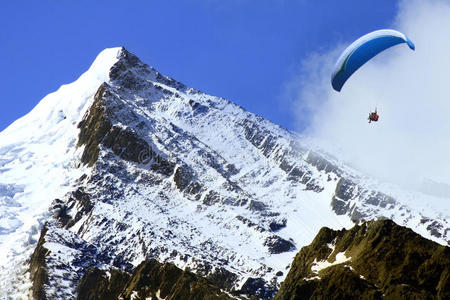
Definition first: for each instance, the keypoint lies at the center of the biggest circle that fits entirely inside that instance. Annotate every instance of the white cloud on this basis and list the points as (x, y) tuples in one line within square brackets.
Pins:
[(411, 141)]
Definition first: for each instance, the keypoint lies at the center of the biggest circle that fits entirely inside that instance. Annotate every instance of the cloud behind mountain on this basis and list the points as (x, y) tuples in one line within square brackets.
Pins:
[(410, 144)]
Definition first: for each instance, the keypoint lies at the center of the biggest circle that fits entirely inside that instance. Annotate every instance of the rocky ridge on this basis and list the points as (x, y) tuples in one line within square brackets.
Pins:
[(376, 260)]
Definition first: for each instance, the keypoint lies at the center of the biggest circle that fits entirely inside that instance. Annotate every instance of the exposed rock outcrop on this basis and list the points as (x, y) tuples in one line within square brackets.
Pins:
[(38, 268), (150, 279), (373, 261)]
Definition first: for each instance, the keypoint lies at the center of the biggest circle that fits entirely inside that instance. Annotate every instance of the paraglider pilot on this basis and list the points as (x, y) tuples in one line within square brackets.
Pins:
[(373, 116)]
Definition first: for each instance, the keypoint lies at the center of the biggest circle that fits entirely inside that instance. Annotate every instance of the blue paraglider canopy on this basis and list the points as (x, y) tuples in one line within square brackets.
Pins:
[(362, 50)]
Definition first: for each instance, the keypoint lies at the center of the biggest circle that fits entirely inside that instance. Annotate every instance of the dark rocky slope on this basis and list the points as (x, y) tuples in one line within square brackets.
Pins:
[(385, 260), (38, 269), (149, 279)]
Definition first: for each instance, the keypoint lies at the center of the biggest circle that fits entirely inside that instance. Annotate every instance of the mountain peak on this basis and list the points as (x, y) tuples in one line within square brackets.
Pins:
[(106, 59), (68, 102)]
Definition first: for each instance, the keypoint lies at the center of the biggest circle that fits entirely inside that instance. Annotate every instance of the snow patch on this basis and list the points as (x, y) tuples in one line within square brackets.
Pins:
[(323, 264)]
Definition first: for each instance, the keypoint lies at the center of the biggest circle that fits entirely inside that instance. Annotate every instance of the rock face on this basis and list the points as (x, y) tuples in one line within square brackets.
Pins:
[(150, 279), (38, 269), (97, 284), (376, 260), (147, 168)]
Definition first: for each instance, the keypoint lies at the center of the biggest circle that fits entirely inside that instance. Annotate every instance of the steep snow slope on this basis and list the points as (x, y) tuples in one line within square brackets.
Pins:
[(142, 166), (37, 164)]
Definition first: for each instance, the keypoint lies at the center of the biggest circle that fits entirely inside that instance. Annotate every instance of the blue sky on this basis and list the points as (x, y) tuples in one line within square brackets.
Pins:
[(242, 50)]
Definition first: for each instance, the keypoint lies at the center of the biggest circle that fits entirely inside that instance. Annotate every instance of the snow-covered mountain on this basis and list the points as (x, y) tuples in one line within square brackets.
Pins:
[(126, 164)]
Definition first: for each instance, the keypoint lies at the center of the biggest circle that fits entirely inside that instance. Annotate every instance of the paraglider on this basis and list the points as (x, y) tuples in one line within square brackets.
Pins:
[(361, 51)]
